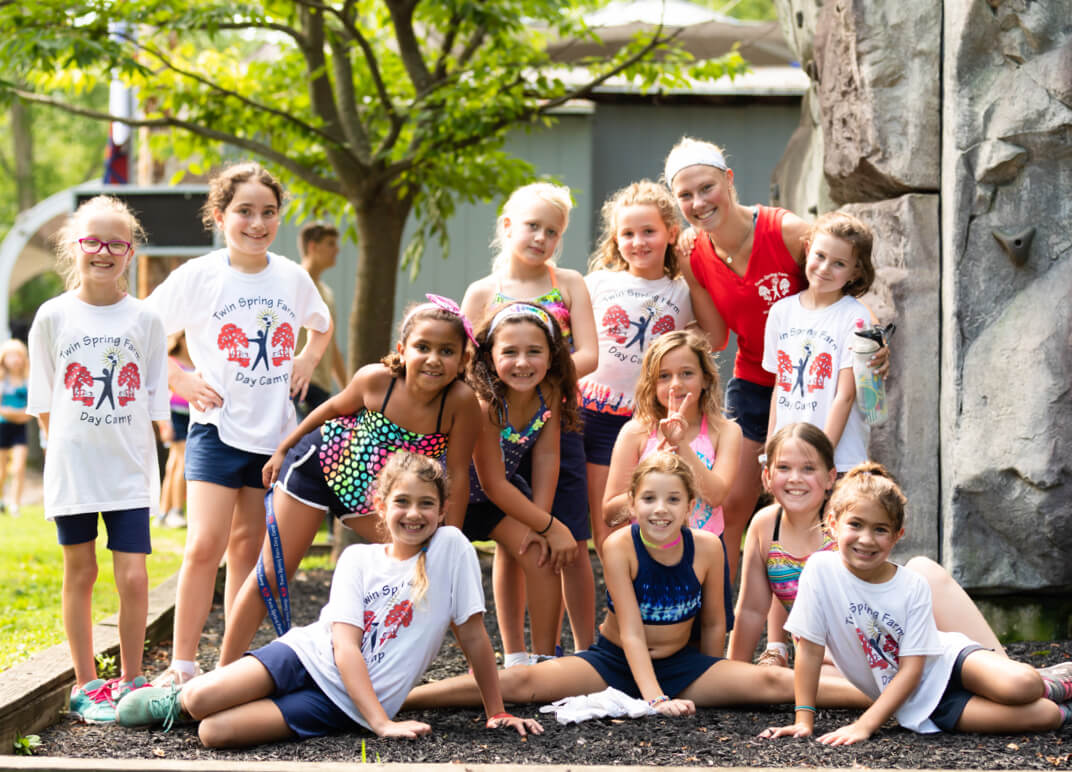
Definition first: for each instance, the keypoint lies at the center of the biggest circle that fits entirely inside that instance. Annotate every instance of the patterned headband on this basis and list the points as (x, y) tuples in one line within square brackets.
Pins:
[(522, 309), (443, 304), (695, 154)]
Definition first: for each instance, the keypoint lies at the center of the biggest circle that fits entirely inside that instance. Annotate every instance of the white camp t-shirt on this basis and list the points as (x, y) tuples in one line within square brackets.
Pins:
[(868, 627), (240, 330), (807, 350), (100, 372), (630, 312), (372, 591)]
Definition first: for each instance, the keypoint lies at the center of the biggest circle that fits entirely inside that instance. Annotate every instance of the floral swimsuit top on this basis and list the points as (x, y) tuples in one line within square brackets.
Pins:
[(783, 569), (552, 301), (354, 448), (703, 517), (514, 445)]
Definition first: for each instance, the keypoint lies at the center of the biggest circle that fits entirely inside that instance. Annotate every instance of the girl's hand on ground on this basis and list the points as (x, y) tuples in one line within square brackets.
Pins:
[(410, 729), (522, 725), (270, 472), (793, 730), (675, 708), (846, 735), (193, 388), (531, 539)]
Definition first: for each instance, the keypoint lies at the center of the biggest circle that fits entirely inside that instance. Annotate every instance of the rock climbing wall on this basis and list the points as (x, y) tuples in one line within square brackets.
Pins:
[(948, 127)]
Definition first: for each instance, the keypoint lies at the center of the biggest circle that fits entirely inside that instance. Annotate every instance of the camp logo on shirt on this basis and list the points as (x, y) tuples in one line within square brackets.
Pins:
[(82, 382), (273, 342), (773, 286), (616, 324)]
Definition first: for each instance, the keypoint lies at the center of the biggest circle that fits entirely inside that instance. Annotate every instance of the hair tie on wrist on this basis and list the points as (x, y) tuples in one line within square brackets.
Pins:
[(502, 715), (548, 528), (656, 700), (805, 707)]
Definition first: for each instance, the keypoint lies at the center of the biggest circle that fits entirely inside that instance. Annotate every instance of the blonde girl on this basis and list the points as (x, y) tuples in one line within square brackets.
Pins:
[(799, 472), (97, 381), (14, 368), (524, 377), (414, 399), (241, 307), (876, 619), (389, 609), (664, 580), (528, 237), (678, 410), (637, 294)]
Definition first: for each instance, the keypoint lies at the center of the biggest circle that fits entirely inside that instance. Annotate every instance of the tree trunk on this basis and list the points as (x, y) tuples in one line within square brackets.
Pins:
[(380, 222), (22, 144)]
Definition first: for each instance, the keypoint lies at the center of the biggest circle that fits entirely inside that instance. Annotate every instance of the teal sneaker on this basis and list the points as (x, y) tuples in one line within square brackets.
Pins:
[(93, 703), (149, 706), (121, 689)]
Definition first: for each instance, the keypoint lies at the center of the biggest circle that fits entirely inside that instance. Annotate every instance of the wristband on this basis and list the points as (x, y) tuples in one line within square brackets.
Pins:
[(805, 707), (548, 528), (497, 717), (656, 700)]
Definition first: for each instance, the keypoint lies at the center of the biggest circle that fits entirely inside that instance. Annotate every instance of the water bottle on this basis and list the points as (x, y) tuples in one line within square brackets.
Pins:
[(870, 388)]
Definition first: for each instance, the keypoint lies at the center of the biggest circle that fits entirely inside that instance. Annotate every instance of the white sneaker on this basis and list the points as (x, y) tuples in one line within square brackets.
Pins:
[(174, 519), (171, 676)]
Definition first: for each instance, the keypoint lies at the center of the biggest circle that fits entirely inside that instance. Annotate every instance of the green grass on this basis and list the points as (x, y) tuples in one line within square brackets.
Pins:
[(31, 573)]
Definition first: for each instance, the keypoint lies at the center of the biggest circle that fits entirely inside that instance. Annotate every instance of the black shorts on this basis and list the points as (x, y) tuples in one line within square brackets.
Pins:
[(600, 432), (947, 712), (748, 404), (674, 673), (12, 434)]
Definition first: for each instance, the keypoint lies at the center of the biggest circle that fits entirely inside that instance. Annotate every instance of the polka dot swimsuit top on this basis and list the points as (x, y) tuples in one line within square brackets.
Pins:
[(354, 448)]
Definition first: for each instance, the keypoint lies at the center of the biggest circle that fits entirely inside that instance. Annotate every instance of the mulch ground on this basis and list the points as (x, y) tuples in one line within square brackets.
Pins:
[(710, 738)]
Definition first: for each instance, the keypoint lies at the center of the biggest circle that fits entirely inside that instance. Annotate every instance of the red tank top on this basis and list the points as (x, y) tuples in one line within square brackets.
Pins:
[(743, 302)]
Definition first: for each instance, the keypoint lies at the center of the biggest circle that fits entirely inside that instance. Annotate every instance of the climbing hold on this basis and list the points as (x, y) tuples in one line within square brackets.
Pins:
[(1016, 245)]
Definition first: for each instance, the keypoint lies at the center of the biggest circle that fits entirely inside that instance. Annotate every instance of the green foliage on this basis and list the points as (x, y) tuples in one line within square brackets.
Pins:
[(33, 292), (26, 745), (107, 667)]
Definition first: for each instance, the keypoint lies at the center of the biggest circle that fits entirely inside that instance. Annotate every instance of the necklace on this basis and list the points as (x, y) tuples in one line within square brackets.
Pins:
[(647, 543), (729, 256)]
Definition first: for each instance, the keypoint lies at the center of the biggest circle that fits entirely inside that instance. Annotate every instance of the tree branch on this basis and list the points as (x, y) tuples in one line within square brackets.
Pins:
[(349, 118), (374, 69), (409, 48), (328, 184), (440, 68)]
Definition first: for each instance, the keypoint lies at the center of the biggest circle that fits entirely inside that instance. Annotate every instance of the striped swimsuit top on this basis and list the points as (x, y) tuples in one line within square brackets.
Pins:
[(783, 569)]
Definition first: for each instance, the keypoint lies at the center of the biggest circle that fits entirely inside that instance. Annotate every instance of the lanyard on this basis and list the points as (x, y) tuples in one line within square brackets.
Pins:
[(281, 623)]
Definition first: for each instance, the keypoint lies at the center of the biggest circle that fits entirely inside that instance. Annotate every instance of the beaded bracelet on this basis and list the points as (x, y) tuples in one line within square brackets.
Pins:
[(805, 707), (548, 528), (656, 700)]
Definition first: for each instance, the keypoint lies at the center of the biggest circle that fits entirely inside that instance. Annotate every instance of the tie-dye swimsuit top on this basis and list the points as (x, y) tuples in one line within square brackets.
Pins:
[(551, 301), (783, 569), (704, 516), (354, 448), (666, 594)]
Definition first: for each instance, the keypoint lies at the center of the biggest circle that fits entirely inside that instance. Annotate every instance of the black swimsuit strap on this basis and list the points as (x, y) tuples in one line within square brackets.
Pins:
[(387, 396), (442, 404), (777, 524)]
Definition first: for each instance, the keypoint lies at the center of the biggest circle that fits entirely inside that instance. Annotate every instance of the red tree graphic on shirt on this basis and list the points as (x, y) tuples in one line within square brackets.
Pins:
[(663, 325), (616, 323), (283, 338), (80, 381), (785, 371), (232, 340), (400, 615), (821, 369), (129, 381)]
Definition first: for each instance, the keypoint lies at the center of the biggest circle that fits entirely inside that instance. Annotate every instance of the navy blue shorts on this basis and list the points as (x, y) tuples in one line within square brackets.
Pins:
[(600, 432), (674, 673), (180, 425), (302, 478), (748, 404), (947, 712), (128, 529), (12, 434), (571, 495), (306, 709), (209, 459)]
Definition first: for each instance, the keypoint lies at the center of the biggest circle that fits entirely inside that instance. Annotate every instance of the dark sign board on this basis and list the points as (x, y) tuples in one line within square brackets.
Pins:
[(171, 216)]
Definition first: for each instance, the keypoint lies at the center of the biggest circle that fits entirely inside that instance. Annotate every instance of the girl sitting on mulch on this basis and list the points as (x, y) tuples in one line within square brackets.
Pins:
[(389, 609), (877, 621)]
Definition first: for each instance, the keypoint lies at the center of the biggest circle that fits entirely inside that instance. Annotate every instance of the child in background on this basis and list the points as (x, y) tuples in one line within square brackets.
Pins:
[(240, 307), (413, 400), (637, 294), (97, 381), (876, 619), (173, 487), (389, 609), (808, 340), (14, 367), (661, 575), (524, 378), (318, 244), (528, 235), (678, 410)]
